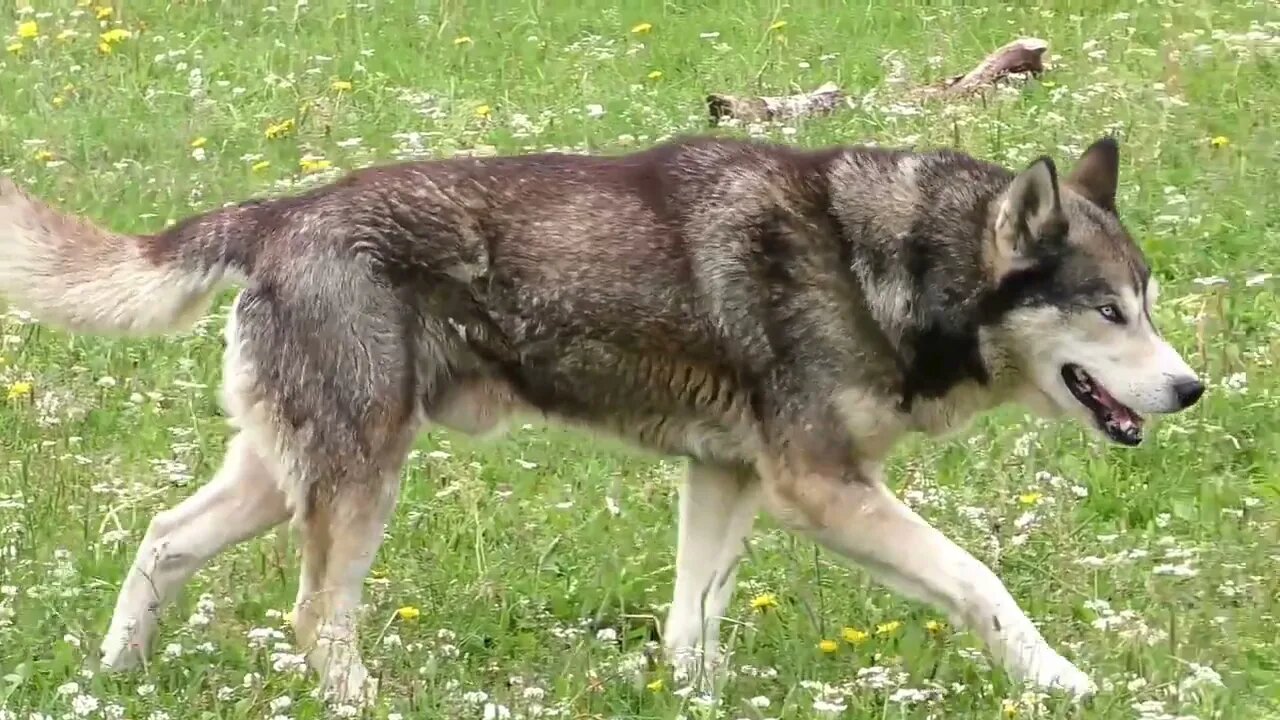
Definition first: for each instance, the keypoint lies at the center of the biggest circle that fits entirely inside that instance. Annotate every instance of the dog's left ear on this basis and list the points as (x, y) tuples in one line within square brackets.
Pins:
[(1096, 174)]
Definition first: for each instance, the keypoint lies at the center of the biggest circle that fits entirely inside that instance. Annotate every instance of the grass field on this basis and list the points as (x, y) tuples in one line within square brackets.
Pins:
[(532, 571)]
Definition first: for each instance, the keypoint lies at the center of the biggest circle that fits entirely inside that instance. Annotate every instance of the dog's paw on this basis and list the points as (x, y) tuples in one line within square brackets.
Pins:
[(1054, 672), (120, 651), (694, 666), (348, 683)]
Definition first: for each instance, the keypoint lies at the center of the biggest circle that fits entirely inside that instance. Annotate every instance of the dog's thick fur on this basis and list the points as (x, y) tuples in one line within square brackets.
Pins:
[(779, 317)]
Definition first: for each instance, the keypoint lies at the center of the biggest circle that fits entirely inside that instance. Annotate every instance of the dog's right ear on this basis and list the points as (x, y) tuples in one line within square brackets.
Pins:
[(1030, 214)]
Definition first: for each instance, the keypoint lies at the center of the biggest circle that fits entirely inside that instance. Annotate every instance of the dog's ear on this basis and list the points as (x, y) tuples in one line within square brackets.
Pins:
[(1030, 214), (1096, 174)]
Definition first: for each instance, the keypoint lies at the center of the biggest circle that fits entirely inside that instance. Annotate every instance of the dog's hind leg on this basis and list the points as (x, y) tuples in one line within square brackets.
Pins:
[(717, 510), (340, 536), (333, 375), (242, 500)]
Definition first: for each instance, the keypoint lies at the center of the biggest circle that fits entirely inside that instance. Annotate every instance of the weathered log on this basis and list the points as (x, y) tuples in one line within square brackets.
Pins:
[(1024, 56), (1020, 58)]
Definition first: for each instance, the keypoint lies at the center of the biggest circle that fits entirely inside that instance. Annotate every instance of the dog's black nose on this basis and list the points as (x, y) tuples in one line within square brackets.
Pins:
[(1188, 392)]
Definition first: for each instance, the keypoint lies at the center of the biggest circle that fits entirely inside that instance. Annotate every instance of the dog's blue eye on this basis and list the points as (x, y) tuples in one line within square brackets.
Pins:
[(1112, 313)]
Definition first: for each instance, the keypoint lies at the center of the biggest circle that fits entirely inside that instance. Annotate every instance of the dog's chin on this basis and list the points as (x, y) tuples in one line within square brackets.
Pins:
[(1109, 434)]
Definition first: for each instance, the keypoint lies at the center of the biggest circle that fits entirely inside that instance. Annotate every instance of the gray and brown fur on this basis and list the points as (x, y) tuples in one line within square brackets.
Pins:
[(778, 316)]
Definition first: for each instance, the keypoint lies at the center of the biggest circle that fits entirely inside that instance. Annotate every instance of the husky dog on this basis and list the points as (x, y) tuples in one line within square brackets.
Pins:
[(777, 316)]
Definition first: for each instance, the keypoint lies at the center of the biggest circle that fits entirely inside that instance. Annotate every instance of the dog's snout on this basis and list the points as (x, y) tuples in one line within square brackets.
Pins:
[(1188, 391)]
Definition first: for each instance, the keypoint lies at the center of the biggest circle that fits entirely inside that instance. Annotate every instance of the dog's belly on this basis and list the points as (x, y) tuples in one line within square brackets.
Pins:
[(706, 441), (661, 405)]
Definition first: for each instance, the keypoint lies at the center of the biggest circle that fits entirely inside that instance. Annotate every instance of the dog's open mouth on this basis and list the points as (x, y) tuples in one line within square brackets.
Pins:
[(1120, 423)]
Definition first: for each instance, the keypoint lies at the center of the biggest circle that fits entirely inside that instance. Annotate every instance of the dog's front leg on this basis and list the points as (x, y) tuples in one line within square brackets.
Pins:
[(851, 513)]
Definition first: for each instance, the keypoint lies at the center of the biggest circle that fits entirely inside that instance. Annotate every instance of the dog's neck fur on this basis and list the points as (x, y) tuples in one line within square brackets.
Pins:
[(926, 291)]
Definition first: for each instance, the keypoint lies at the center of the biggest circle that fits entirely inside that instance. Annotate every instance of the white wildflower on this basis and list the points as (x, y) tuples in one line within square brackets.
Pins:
[(1200, 676), (1184, 570), (84, 705), (824, 706)]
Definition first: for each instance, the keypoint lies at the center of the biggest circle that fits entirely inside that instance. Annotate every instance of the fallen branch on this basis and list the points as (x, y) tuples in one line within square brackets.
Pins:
[(1020, 58), (819, 102)]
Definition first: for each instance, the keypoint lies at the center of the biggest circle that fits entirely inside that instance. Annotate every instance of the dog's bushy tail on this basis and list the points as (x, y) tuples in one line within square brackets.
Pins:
[(68, 272)]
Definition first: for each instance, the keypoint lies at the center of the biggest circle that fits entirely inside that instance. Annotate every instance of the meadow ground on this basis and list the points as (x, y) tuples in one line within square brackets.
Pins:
[(523, 578)]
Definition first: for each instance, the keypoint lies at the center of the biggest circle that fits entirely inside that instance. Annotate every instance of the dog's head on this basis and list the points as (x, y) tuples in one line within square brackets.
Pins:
[(1072, 300)]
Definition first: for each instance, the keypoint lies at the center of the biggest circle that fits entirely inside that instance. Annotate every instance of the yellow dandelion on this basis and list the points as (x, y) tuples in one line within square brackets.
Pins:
[(655, 74), (104, 11), (104, 48), (58, 101), (280, 129), (656, 685), (408, 612), (1030, 498), (888, 628), (199, 142), (1220, 141), (462, 40), (1009, 708), (642, 28), (854, 636), (115, 35), (483, 111), (828, 646), (44, 156), (314, 165), (766, 601), (777, 25), (934, 626), (19, 389), (28, 30), (14, 48), (261, 165), (341, 85)]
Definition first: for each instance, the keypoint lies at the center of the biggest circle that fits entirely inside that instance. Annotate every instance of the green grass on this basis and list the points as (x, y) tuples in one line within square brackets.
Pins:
[(509, 549)]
